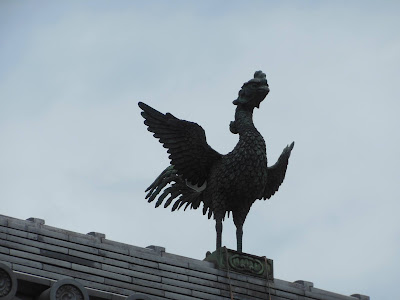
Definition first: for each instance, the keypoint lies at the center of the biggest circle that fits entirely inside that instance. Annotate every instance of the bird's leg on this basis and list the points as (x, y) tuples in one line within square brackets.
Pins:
[(239, 236), (238, 218), (218, 228)]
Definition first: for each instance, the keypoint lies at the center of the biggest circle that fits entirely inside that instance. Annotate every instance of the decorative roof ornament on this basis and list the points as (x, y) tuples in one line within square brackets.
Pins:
[(200, 175)]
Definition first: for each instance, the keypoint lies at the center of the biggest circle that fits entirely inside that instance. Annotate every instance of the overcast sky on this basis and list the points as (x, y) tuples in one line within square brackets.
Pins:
[(75, 152)]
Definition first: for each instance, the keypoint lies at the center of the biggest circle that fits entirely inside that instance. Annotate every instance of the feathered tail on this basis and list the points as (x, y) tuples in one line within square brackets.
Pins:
[(177, 190)]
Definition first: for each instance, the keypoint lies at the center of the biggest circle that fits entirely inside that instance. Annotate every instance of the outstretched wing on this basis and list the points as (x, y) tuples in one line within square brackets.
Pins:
[(186, 141), (277, 172)]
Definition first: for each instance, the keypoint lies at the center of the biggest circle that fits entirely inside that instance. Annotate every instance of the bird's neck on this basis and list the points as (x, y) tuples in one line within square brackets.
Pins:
[(244, 119)]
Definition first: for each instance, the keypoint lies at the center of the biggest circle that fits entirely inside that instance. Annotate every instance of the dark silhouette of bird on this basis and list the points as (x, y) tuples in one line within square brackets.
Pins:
[(200, 175)]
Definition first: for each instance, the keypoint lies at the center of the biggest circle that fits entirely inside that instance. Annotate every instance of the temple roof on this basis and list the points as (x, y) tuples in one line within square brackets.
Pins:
[(37, 259)]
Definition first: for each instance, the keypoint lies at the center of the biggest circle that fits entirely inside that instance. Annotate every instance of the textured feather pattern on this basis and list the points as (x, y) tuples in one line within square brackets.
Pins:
[(173, 185), (186, 142), (235, 180), (276, 173)]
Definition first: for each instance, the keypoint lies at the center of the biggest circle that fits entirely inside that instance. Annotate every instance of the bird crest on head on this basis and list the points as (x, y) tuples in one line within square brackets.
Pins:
[(253, 91)]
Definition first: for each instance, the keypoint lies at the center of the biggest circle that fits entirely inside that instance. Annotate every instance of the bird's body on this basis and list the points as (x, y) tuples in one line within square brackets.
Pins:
[(239, 178), (223, 183)]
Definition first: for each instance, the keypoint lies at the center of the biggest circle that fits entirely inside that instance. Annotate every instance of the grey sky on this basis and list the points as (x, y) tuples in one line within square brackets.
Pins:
[(75, 151)]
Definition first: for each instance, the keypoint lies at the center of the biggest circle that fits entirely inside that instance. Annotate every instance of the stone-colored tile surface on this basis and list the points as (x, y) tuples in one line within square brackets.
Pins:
[(41, 255)]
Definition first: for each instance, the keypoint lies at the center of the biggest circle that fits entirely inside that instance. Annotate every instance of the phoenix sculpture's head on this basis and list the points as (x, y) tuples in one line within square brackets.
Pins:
[(253, 91)]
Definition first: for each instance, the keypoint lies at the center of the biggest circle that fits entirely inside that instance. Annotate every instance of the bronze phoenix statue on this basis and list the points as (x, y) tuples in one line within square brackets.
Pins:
[(199, 174)]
